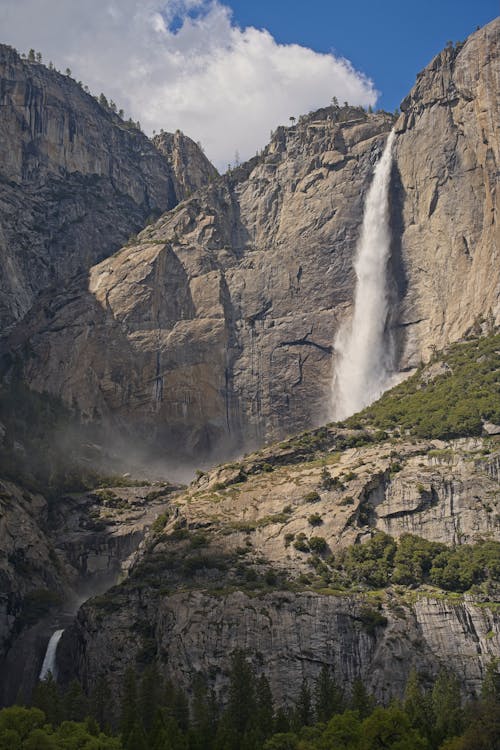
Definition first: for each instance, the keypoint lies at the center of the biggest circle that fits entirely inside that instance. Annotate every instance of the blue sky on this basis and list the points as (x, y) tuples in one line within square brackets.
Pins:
[(390, 41), (227, 72)]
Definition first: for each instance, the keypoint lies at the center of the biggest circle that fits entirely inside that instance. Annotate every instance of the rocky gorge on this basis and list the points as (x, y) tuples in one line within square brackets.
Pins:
[(194, 316)]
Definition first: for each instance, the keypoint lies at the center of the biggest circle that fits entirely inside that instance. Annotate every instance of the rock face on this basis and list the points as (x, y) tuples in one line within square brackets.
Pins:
[(55, 555), (190, 600), (288, 637), (75, 180), (448, 155), (214, 329)]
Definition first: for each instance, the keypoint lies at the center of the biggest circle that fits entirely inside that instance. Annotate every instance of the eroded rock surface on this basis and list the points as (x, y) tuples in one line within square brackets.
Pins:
[(75, 180), (215, 328), (194, 595)]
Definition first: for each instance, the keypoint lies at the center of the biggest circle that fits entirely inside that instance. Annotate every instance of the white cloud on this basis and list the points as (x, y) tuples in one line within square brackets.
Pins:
[(184, 64)]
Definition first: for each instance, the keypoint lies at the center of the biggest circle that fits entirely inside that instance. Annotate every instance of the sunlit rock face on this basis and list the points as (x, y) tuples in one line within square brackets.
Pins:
[(214, 329), (75, 180), (191, 615), (447, 153)]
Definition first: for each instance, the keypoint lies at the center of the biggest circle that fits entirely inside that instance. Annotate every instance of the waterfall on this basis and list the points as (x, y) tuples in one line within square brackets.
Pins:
[(365, 353), (49, 662)]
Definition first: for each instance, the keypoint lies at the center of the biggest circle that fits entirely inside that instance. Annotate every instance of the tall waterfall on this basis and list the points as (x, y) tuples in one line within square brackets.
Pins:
[(365, 354), (49, 662)]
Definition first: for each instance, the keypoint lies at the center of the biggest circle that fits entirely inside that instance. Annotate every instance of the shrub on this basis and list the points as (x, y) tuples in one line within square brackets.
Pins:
[(347, 500), (318, 544), (300, 543), (315, 519), (312, 497), (372, 619)]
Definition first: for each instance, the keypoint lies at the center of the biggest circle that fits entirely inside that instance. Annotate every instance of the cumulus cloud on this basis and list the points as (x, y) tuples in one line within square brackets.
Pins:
[(184, 64)]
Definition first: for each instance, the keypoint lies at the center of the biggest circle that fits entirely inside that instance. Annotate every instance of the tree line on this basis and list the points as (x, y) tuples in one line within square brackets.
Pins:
[(154, 714)]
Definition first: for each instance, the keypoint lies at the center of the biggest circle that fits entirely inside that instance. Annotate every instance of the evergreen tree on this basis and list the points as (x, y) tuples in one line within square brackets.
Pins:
[(264, 718), (31, 55), (136, 739), (327, 696), (101, 704), (204, 715), (303, 714), (446, 706), (128, 714), (75, 704), (361, 700), (490, 689), (417, 704), (180, 710), (282, 721), (241, 704), (47, 698), (150, 696)]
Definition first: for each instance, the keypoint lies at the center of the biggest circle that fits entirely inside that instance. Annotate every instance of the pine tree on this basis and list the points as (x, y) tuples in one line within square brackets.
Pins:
[(303, 714), (136, 739), (75, 703), (204, 715), (31, 55), (327, 696), (101, 704), (264, 717), (47, 697), (490, 689), (361, 700), (282, 721), (417, 704), (150, 696), (128, 715), (446, 706), (241, 704)]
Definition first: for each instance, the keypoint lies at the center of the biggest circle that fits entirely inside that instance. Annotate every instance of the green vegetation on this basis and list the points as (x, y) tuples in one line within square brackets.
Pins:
[(452, 404), (315, 519), (153, 713), (312, 497), (413, 561), (317, 544)]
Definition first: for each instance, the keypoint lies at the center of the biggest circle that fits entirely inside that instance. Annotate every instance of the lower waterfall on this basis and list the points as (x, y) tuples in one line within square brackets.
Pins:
[(49, 661), (365, 357)]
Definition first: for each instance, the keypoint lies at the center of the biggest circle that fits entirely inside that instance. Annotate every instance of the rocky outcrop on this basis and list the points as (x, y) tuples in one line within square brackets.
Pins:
[(447, 156), (214, 329), (75, 180), (232, 568), (54, 555), (287, 636)]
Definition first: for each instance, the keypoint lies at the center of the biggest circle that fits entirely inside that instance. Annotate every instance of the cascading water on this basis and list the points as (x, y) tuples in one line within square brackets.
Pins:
[(364, 350), (49, 662)]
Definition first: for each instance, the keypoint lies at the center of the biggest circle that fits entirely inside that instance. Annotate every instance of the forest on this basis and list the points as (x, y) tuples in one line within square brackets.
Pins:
[(153, 714)]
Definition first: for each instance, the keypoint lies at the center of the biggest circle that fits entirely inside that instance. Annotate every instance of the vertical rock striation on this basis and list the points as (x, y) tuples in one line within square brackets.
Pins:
[(448, 156), (75, 180)]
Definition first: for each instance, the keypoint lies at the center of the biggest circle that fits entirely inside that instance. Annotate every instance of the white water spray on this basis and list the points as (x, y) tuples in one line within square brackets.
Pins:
[(365, 355), (49, 662)]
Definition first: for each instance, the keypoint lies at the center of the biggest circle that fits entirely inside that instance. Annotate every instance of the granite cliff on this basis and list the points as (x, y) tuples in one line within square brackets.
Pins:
[(75, 180), (247, 559), (214, 328)]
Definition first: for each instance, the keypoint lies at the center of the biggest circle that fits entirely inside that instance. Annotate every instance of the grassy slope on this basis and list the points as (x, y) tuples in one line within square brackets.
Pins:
[(452, 403)]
